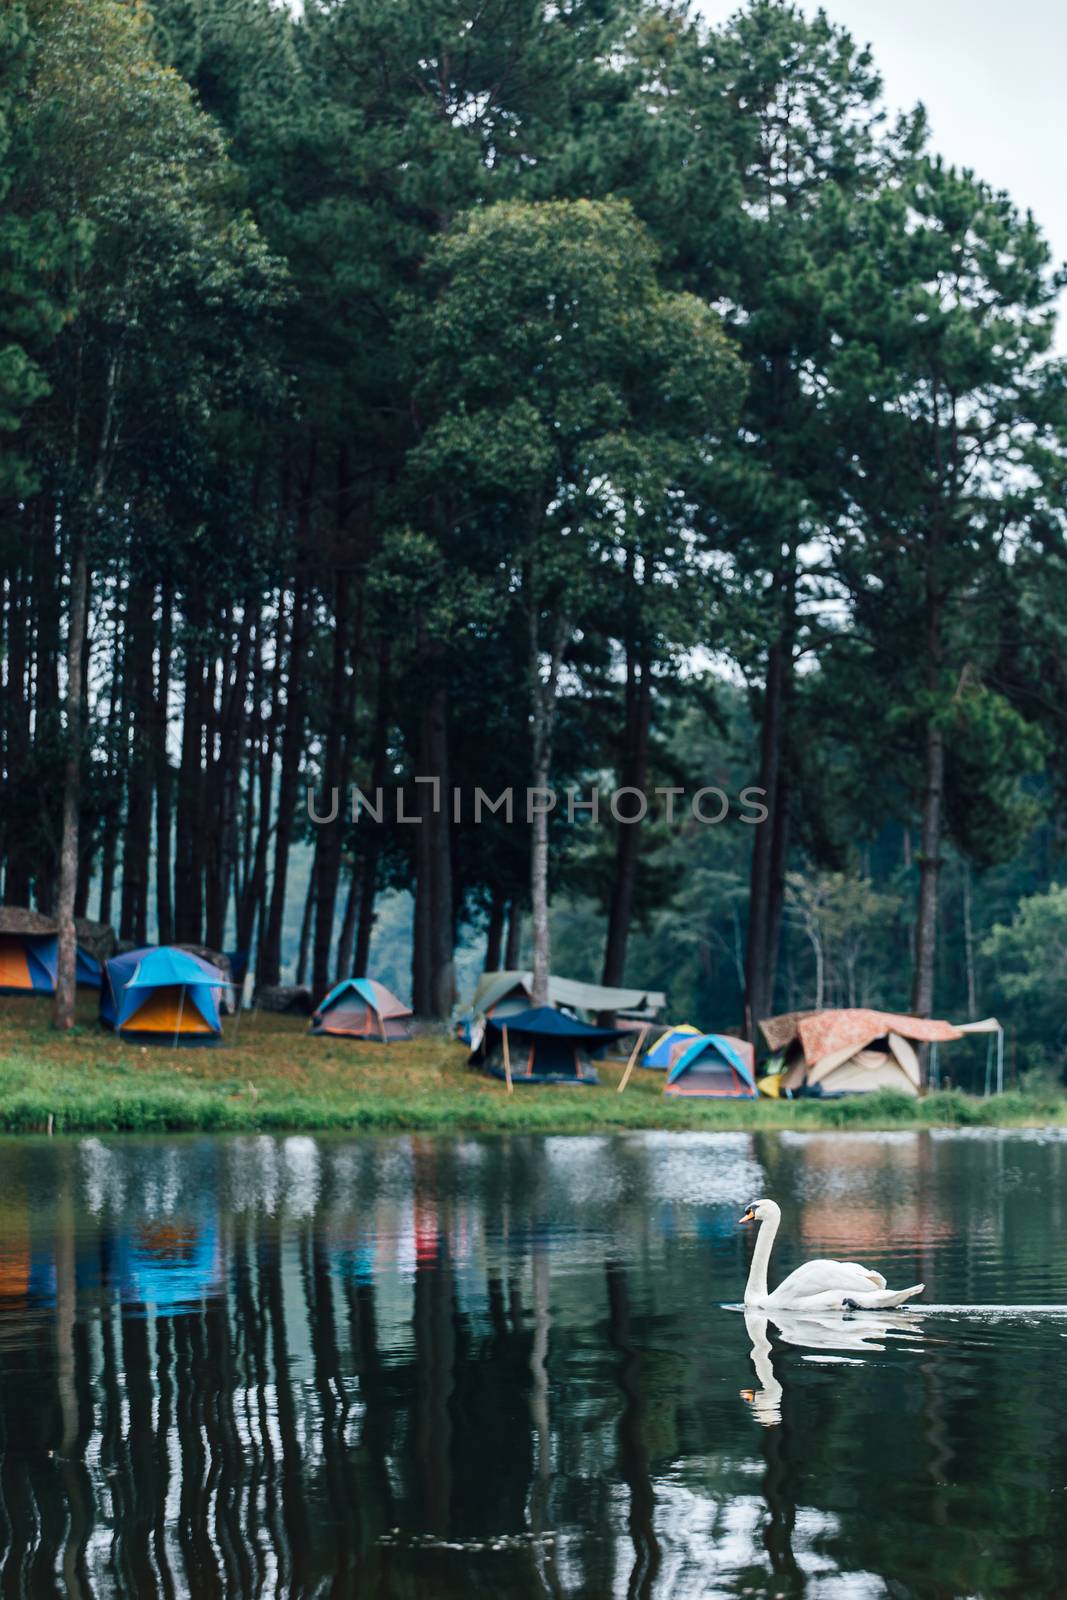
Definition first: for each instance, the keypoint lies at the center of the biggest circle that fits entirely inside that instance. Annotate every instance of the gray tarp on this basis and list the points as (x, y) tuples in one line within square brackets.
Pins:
[(590, 997)]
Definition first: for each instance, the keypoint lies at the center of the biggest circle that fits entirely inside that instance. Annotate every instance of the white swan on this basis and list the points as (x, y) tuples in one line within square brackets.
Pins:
[(817, 1285)]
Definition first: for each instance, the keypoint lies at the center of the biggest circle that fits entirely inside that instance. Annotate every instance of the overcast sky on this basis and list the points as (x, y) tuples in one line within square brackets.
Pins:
[(990, 73)]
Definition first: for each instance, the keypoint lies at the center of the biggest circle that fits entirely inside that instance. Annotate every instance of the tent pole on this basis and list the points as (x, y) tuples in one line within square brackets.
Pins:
[(507, 1060), (634, 1053), (237, 1023), (1000, 1060), (181, 1012)]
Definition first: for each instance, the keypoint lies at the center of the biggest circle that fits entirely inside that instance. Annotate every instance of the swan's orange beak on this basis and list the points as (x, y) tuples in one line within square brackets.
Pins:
[(749, 1216), (747, 1394)]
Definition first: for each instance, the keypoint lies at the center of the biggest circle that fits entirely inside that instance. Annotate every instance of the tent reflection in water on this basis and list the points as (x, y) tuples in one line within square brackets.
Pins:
[(541, 1046), (362, 1008), (713, 1065), (165, 996), (170, 1264)]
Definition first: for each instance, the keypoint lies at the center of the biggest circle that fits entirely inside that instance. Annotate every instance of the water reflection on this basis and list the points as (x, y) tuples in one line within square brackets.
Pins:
[(853, 1334), (408, 1367)]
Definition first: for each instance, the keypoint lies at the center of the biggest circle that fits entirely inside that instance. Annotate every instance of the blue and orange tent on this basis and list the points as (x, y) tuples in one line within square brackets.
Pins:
[(362, 1008), (716, 1065), (164, 996), (29, 954)]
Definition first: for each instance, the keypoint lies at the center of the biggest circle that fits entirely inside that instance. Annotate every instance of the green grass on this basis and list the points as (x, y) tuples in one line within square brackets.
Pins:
[(273, 1077)]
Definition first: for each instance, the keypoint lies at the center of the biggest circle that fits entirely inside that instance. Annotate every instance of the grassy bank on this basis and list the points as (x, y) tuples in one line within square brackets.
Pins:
[(271, 1076)]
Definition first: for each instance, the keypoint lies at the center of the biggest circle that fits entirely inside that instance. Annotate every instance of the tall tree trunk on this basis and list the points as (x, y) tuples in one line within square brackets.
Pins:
[(292, 743), (542, 949), (163, 774), (922, 995), (233, 713), (137, 834), (494, 937), (513, 951), (209, 839), (922, 999), (433, 979), (780, 838), (633, 772), (188, 874), (46, 646), (66, 966), (260, 774), (770, 843), (86, 858), (368, 894), (115, 770), (968, 943), (20, 864), (329, 836), (543, 695), (304, 948), (372, 849), (292, 739), (346, 939)]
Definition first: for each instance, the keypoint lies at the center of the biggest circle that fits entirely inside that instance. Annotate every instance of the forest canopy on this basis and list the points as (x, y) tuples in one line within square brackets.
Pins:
[(564, 398)]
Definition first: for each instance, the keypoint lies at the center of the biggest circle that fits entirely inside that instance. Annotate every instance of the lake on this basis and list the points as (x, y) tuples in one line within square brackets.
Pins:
[(452, 1367)]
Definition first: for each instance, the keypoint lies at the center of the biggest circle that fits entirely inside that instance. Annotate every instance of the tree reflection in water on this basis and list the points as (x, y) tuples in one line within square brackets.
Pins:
[(459, 1367)]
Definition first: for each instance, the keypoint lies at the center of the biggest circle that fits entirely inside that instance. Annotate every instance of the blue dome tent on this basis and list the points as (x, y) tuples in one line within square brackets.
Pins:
[(165, 996)]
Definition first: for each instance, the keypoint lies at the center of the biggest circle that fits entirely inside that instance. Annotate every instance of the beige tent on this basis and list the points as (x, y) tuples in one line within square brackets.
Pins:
[(856, 1051), (849, 1071)]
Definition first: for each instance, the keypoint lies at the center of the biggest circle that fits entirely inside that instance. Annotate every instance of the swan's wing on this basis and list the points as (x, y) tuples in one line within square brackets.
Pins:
[(825, 1277), (868, 1272)]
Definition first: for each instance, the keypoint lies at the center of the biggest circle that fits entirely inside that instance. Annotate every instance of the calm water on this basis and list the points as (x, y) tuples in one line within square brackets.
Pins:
[(505, 1367)]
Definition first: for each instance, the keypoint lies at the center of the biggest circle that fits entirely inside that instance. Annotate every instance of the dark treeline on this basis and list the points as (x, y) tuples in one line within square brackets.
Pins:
[(399, 392)]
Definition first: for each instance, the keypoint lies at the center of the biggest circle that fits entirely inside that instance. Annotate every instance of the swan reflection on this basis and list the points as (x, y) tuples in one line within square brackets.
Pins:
[(851, 1334)]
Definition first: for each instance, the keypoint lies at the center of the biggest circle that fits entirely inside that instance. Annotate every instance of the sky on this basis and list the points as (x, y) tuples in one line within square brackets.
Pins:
[(990, 73)]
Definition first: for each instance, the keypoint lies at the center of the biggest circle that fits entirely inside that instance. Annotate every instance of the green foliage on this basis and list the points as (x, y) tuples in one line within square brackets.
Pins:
[(37, 251), (1028, 957)]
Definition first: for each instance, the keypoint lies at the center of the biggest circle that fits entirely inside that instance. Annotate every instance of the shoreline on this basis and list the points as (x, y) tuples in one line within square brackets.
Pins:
[(275, 1078)]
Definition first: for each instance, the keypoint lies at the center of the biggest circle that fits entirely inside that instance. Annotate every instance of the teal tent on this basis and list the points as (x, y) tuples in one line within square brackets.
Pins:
[(714, 1065), (362, 1008)]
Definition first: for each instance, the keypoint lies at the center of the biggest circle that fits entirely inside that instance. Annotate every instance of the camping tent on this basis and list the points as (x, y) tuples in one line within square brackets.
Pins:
[(853, 1051), (362, 1008), (165, 996), (501, 994), (660, 1054), (715, 1065), (29, 954), (542, 1046)]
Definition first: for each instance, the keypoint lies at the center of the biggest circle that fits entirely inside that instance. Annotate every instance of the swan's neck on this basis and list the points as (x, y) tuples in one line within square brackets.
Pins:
[(756, 1289)]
